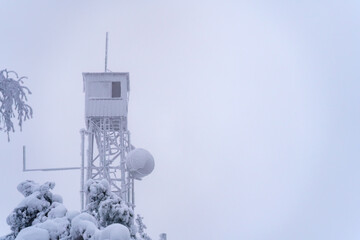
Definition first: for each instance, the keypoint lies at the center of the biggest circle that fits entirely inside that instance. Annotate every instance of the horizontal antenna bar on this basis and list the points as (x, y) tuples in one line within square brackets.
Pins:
[(43, 169), (51, 169)]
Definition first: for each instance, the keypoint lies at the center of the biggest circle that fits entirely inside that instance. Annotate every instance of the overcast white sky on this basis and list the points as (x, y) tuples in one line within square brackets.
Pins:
[(250, 108)]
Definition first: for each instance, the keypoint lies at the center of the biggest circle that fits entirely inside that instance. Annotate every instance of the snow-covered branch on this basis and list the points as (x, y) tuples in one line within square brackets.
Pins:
[(13, 98)]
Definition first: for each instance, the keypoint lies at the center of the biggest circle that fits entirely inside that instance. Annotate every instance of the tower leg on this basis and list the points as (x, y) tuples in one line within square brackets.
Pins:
[(82, 192), (106, 157), (90, 157)]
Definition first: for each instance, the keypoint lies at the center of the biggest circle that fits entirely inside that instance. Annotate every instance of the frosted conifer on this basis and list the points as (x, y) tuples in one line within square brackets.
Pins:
[(13, 98)]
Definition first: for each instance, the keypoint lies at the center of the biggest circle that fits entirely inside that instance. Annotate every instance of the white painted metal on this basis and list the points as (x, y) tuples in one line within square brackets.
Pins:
[(99, 99), (140, 163), (43, 169), (82, 183), (105, 108), (107, 132), (108, 144), (106, 50), (108, 137)]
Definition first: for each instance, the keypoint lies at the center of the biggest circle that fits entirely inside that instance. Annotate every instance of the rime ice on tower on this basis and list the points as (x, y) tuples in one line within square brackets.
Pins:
[(106, 95), (110, 154), (108, 137), (111, 167)]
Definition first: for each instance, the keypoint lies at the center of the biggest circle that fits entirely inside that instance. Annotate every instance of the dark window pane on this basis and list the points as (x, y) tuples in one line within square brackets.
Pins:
[(116, 89)]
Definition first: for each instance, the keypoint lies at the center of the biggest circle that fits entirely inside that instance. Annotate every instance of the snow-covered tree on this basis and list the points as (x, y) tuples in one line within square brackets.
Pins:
[(13, 98), (141, 228), (40, 208), (107, 207), (42, 216)]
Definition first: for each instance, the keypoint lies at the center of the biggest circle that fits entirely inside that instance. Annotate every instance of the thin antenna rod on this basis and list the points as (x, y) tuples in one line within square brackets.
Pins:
[(24, 161), (106, 51)]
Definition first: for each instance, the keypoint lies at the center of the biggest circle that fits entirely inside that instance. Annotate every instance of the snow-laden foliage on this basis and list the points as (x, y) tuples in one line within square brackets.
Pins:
[(107, 207), (141, 228), (37, 206), (42, 216), (83, 226), (13, 101), (33, 233), (110, 209), (113, 232)]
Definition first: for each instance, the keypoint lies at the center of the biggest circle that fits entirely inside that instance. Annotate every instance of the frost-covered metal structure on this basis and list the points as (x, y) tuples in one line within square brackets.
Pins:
[(106, 109), (106, 154), (110, 154), (106, 95), (106, 151)]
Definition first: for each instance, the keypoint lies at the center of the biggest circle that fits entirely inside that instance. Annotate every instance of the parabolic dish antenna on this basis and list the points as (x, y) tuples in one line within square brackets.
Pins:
[(140, 163)]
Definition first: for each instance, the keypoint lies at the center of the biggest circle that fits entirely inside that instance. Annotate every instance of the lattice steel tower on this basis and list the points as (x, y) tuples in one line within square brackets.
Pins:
[(106, 109), (110, 154)]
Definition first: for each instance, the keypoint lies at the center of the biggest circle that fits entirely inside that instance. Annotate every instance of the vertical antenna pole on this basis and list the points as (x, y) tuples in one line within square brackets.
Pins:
[(24, 166), (106, 50), (133, 192)]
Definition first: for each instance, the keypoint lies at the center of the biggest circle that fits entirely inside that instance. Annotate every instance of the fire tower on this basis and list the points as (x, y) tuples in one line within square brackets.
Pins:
[(106, 108), (106, 139), (110, 154)]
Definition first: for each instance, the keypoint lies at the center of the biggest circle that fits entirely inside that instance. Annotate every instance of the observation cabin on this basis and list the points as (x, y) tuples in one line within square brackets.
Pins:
[(106, 96)]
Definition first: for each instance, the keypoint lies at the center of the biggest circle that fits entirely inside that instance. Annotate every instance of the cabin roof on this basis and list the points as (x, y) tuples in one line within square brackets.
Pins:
[(99, 74), (105, 73)]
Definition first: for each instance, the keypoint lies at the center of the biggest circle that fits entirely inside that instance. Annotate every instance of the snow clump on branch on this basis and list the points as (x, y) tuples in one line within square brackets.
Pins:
[(42, 216), (13, 98), (107, 207)]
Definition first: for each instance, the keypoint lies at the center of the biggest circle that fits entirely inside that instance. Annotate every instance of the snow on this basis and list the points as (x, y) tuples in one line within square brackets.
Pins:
[(140, 163), (97, 190), (83, 225), (71, 214), (57, 198), (42, 216), (33, 233), (58, 211), (107, 207), (113, 232), (34, 202), (84, 217), (28, 187), (37, 206), (57, 228), (13, 101)]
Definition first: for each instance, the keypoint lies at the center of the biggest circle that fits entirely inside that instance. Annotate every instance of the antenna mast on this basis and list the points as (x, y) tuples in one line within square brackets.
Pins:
[(106, 51)]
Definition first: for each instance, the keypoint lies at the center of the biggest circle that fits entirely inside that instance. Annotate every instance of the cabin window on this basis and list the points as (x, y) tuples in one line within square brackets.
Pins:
[(116, 90), (99, 89)]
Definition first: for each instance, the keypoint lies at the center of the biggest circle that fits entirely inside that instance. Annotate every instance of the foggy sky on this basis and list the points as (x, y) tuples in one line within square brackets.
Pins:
[(250, 109)]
